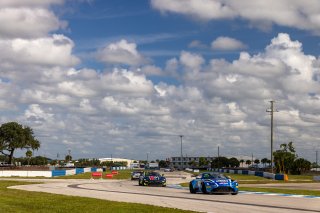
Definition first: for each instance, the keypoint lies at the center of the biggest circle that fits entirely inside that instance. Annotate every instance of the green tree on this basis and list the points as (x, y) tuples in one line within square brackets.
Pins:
[(300, 166), (248, 162), (233, 162), (241, 161), (219, 162), (29, 155), (14, 136), (256, 161), (284, 158), (264, 161), (203, 162), (68, 158), (163, 164)]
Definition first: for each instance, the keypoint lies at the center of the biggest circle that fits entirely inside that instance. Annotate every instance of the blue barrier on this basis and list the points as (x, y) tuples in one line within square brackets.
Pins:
[(79, 170), (93, 169), (235, 171), (56, 173), (279, 177), (245, 172), (260, 174)]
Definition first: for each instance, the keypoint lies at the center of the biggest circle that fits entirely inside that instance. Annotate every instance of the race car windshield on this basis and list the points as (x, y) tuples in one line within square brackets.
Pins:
[(152, 174), (213, 175)]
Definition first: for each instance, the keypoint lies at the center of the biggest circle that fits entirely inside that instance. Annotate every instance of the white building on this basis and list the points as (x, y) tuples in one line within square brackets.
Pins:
[(128, 161)]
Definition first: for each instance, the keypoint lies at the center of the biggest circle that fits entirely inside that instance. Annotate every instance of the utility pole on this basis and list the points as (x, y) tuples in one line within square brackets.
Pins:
[(251, 158), (271, 110), (317, 160), (218, 158), (181, 136)]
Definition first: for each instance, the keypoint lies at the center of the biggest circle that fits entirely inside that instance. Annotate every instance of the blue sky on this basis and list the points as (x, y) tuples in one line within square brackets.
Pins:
[(127, 77)]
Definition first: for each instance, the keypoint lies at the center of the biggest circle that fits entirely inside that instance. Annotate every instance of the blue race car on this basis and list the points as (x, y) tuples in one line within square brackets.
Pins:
[(212, 182), (152, 178)]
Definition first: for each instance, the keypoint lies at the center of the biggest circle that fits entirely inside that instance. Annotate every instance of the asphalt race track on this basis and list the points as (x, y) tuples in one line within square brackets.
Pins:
[(129, 191)]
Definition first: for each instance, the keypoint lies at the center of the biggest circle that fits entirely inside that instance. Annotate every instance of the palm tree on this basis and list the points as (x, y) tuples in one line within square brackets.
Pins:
[(264, 161), (248, 162), (29, 155), (241, 161), (256, 161), (269, 162)]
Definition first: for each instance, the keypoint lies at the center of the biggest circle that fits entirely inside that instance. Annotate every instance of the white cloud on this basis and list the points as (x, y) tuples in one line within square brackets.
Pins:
[(191, 60), (260, 13), (29, 3), (23, 22), (54, 50), (121, 52), (197, 44), (151, 70), (227, 43)]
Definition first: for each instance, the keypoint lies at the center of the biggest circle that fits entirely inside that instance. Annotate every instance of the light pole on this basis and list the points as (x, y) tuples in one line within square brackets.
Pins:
[(181, 136)]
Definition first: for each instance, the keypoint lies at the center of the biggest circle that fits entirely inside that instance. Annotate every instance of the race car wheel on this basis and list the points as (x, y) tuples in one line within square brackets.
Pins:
[(164, 185), (192, 190), (144, 183), (234, 193), (140, 184), (204, 189)]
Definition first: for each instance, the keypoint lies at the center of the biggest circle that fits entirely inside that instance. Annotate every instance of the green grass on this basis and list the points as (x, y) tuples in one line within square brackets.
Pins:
[(282, 191), (123, 174), (12, 201)]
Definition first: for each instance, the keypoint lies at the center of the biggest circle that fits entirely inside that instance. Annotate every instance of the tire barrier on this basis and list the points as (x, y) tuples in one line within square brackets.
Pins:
[(96, 174), (109, 176), (114, 172)]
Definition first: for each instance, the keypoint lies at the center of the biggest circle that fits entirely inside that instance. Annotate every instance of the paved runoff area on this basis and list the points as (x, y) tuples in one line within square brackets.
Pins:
[(129, 191)]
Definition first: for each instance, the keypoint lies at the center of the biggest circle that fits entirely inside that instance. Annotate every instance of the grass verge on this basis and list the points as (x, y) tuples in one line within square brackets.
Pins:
[(282, 191), (123, 174), (12, 200)]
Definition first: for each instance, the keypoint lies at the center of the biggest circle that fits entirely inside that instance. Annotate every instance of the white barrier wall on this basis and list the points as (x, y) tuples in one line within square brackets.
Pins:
[(252, 172), (268, 175), (316, 178), (231, 171), (99, 170), (71, 172), (87, 170), (25, 173)]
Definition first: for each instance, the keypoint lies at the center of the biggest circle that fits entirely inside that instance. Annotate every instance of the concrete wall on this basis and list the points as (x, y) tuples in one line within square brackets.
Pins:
[(53, 173), (11, 173)]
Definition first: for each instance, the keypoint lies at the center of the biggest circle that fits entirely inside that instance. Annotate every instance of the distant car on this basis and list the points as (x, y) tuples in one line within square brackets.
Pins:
[(136, 174), (168, 170), (152, 178), (212, 182)]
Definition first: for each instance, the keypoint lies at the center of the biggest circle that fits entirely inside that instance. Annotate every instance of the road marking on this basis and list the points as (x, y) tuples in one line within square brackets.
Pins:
[(177, 186)]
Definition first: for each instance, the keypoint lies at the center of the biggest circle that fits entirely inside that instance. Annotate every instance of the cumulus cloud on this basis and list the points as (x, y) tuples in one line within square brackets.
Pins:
[(259, 13), (27, 19), (214, 101), (191, 60), (121, 52), (227, 43), (54, 50)]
